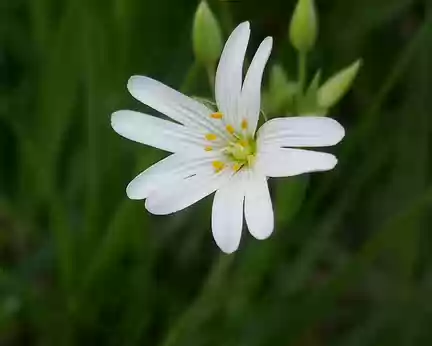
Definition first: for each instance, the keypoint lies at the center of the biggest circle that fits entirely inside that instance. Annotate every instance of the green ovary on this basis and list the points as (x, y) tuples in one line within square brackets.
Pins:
[(242, 152)]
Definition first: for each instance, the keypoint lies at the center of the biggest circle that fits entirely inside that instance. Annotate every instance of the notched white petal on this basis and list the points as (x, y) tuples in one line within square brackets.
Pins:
[(156, 132), (229, 74), (227, 214), (173, 168), (250, 103), (285, 162), (178, 195), (170, 102), (304, 131), (258, 207)]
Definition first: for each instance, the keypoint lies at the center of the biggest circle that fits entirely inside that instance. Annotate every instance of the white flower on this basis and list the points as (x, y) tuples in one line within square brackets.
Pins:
[(221, 151)]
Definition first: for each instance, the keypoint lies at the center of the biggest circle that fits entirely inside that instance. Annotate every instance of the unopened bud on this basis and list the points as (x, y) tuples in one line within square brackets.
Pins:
[(304, 26), (337, 86), (206, 36)]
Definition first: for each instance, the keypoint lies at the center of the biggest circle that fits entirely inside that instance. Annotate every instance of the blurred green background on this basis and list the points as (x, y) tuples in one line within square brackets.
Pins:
[(350, 261)]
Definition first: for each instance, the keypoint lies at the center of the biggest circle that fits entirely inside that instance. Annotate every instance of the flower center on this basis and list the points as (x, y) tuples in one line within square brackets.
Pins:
[(239, 150), (242, 152)]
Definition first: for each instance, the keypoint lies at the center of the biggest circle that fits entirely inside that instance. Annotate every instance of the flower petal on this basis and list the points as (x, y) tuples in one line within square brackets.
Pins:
[(175, 167), (227, 214), (285, 162), (258, 206), (250, 102), (177, 195), (172, 103), (229, 74), (156, 132), (305, 131)]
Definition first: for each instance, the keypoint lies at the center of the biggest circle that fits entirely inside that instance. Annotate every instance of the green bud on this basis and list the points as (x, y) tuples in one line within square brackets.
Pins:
[(304, 26), (337, 86), (206, 36)]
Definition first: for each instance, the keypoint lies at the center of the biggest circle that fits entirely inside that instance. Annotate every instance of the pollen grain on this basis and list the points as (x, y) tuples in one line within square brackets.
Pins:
[(244, 124), (216, 115), (230, 129), (210, 136), (218, 166)]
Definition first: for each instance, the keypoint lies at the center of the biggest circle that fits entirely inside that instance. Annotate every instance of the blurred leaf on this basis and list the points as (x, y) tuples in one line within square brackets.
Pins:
[(290, 194), (308, 103), (279, 97)]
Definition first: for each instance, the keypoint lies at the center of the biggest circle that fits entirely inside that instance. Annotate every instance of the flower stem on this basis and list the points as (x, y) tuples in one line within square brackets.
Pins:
[(302, 57), (211, 77), (190, 78)]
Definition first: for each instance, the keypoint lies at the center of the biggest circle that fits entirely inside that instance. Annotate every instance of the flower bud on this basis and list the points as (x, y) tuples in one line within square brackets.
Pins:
[(206, 36), (304, 26), (337, 86)]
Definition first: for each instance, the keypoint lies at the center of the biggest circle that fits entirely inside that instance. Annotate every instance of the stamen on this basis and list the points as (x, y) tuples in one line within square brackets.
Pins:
[(208, 148), (230, 129), (243, 142), (218, 166), (236, 167), (244, 124), (210, 136), (216, 115)]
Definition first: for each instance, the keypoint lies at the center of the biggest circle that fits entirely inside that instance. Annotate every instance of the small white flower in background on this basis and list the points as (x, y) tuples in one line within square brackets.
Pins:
[(222, 151)]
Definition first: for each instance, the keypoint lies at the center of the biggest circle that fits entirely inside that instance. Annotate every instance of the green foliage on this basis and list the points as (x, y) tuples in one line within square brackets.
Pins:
[(350, 261), (280, 94)]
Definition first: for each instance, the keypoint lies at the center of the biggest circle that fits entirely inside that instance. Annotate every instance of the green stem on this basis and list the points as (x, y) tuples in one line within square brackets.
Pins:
[(302, 57), (190, 78), (211, 77)]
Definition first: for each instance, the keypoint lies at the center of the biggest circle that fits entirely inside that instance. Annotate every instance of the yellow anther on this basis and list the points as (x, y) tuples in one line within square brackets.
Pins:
[(208, 148), (236, 167), (230, 129), (216, 115), (243, 142), (218, 166), (244, 124), (210, 136)]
